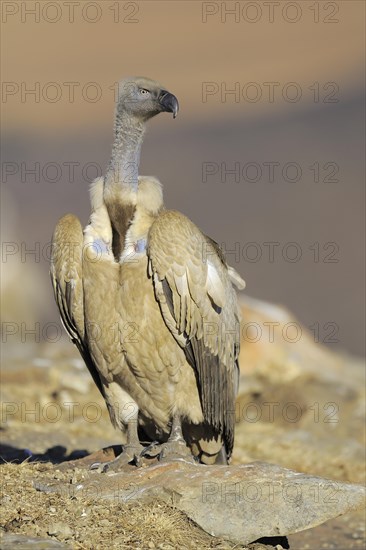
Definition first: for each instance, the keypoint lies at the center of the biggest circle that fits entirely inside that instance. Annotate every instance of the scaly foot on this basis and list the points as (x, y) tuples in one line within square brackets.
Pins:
[(176, 449), (130, 453)]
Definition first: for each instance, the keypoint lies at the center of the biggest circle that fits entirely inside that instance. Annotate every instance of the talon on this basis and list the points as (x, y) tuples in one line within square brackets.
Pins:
[(138, 461), (95, 466), (148, 451)]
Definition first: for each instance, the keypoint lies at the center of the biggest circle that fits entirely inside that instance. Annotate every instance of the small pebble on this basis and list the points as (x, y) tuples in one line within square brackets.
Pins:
[(59, 529)]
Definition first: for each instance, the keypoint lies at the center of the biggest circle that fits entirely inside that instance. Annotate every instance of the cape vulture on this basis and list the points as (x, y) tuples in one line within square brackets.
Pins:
[(148, 300)]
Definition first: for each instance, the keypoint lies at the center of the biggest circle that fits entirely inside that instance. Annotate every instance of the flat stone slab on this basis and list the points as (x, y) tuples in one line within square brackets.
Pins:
[(240, 503), (23, 542)]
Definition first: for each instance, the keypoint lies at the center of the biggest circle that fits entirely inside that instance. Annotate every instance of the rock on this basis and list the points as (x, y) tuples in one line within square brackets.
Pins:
[(79, 383), (277, 348), (59, 529), (300, 405), (24, 542), (240, 503)]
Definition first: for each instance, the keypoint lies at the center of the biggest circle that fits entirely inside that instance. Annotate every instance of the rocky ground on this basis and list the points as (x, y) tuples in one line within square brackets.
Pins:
[(300, 407)]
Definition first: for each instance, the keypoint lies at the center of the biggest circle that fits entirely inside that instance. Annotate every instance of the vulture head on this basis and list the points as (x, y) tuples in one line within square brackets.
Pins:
[(144, 98)]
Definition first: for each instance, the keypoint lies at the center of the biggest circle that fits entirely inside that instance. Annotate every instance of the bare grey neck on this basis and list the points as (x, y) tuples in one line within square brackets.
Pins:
[(124, 164)]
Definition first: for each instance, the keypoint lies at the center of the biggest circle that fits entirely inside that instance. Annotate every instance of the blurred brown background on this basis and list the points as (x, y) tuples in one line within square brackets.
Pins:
[(312, 53)]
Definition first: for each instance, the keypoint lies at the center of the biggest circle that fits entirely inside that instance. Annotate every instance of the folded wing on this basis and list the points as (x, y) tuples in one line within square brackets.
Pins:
[(198, 303), (66, 277)]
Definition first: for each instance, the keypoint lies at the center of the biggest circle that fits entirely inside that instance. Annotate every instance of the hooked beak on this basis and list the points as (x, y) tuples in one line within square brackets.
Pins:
[(169, 102)]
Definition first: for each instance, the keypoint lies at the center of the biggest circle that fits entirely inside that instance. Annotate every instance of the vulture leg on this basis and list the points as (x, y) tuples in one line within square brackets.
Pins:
[(176, 446), (131, 452)]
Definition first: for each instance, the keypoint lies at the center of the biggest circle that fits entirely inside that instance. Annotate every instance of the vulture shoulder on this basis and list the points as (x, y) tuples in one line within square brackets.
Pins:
[(193, 286)]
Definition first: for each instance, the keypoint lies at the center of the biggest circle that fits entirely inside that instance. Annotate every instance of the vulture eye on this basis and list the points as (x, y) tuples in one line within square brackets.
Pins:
[(144, 92)]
